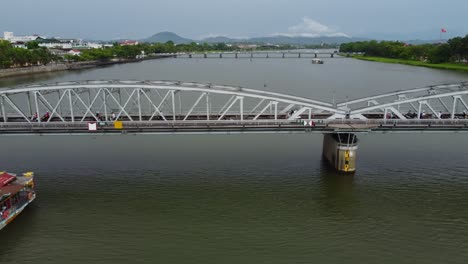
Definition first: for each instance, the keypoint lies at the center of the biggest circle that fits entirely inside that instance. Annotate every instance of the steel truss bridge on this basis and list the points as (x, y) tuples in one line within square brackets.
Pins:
[(174, 107)]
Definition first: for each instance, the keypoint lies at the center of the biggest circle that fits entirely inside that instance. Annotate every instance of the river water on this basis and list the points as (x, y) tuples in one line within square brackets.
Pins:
[(253, 198)]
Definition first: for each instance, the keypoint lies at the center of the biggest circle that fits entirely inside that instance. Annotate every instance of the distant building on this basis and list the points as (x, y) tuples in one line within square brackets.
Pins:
[(92, 45), (58, 52), (21, 45), (247, 46), (14, 39), (129, 43), (56, 43), (74, 52)]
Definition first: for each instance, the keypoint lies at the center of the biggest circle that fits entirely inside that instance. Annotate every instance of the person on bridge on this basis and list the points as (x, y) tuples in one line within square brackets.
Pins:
[(46, 116), (34, 117), (113, 116)]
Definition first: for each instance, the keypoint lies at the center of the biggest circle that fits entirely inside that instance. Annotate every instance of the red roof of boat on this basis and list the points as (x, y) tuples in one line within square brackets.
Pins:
[(6, 178)]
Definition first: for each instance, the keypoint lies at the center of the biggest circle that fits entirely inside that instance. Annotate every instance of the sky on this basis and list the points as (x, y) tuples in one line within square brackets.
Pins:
[(196, 19)]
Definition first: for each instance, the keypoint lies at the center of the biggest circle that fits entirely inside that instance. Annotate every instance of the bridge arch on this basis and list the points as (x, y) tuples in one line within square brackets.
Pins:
[(164, 101)]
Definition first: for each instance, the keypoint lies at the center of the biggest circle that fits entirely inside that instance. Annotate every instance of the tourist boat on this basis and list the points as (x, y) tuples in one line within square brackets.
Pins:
[(317, 61), (16, 192)]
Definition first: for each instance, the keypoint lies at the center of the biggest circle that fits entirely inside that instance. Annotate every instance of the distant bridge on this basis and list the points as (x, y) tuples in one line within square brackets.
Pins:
[(168, 106), (256, 55)]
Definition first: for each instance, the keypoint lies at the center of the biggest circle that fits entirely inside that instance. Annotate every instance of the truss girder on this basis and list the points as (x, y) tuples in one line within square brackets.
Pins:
[(149, 100)]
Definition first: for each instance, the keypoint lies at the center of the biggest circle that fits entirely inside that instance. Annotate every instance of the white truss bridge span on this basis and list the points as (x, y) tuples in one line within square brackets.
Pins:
[(172, 106)]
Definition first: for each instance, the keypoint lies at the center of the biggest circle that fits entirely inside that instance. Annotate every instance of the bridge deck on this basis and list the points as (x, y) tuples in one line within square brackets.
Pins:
[(230, 126)]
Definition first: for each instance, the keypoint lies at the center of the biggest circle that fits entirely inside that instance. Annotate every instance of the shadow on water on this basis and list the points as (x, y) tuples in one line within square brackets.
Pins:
[(337, 189)]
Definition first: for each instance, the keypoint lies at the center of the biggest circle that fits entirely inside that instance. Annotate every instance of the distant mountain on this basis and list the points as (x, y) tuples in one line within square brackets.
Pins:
[(303, 40), (278, 40), (164, 37), (221, 39)]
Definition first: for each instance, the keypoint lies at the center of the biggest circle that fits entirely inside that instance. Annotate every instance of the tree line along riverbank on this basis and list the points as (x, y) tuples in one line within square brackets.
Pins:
[(35, 59), (452, 55), (33, 55)]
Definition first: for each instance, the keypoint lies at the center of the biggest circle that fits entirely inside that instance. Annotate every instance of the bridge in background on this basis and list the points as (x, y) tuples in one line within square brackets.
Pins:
[(257, 55), (185, 107)]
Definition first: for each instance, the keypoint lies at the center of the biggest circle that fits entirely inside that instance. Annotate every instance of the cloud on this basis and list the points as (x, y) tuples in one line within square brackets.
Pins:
[(312, 28)]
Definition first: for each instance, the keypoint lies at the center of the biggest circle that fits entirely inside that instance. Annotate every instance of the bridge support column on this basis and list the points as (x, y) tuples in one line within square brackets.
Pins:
[(340, 151)]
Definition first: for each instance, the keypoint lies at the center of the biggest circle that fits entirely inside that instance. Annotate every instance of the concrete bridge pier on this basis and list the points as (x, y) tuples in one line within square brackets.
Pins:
[(340, 151)]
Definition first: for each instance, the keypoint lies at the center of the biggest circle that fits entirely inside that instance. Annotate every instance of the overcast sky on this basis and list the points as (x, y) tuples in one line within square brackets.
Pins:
[(134, 19)]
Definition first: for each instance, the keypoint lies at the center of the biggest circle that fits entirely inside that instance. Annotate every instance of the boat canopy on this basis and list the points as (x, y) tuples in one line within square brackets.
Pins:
[(6, 178)]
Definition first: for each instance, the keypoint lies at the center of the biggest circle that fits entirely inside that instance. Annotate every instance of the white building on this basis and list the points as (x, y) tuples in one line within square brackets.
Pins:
[(13, 39), (56, 45), (92, 45), (19, 45)]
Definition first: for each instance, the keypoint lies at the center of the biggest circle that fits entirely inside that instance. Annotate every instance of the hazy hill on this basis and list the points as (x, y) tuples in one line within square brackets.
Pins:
[(167, 36), (164, 37)]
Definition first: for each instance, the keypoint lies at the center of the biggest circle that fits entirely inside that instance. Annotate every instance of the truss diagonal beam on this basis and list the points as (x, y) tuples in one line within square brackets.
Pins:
[(156, 109), (15, 107), (194, 105), (122, 109)]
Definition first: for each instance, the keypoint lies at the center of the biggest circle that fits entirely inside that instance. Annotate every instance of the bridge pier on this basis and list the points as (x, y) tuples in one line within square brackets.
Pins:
[(340, 151)]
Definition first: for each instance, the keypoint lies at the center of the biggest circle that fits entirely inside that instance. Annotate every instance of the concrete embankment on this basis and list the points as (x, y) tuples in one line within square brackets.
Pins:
[(53, 67)]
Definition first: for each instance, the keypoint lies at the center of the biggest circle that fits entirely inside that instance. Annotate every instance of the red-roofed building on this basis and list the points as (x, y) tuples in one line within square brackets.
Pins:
[(129, 43), (74, 52)]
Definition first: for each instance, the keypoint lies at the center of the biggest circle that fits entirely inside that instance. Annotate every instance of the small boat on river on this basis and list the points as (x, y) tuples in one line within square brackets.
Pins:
[(16, 192), (317, 61)]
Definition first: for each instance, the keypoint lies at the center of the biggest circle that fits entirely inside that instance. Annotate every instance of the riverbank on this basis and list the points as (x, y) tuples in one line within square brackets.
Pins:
[(445, 66), (54, 67)]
